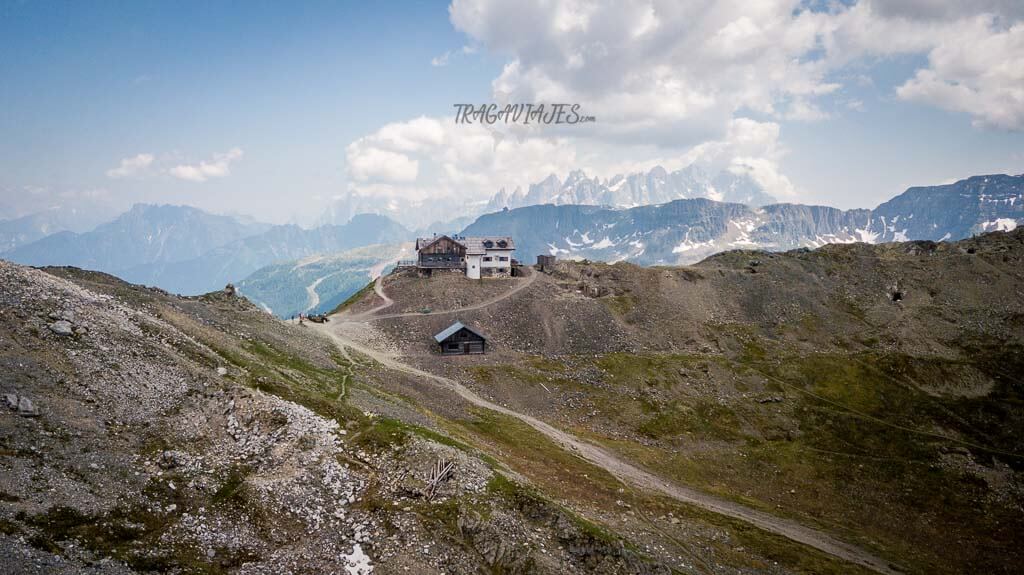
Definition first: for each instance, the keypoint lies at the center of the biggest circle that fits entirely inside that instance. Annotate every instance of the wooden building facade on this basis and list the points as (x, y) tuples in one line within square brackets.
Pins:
[(441, 252), (459, 339)]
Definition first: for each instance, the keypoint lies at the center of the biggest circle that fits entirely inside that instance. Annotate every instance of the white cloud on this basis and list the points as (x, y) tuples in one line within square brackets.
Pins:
[(675, 82), (427, 157), (473, 162), (368, 163), (662, 70), (979, 70), (218, 167), (666, 69), (749, 148), (801, 110), (445, 59), (131, 167)]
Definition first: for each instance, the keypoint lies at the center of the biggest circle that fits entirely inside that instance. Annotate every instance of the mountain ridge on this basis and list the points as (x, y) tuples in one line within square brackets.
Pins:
[(655, 186), (688, 230), (144, 234)]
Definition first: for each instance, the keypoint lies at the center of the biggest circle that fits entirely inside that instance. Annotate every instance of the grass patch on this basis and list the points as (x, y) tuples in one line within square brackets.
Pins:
[(619, 304), (295, 379), (852, 446), (628, 371), (551, 468), (382, 434), (703, 419)]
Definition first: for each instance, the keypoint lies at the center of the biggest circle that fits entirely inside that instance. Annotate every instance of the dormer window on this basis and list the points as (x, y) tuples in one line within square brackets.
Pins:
[(488, 244), (502, 244)]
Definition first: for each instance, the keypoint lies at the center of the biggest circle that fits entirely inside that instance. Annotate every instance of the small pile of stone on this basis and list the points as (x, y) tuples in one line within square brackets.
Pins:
[(64, 324), (21, 405)]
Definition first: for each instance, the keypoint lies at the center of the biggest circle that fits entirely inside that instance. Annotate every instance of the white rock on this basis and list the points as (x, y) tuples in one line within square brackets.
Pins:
[(26, 408), (62, 327)]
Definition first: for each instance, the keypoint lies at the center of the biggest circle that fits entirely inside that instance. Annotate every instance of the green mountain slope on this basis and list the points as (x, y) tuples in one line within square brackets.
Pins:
[(319, 283)]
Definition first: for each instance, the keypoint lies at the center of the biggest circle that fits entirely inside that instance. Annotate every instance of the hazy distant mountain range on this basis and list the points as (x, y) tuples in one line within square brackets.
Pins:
[(234, 261), (186, 250), (412, 214), (25, 229), (686, 231), (189, 251), (142, 235)]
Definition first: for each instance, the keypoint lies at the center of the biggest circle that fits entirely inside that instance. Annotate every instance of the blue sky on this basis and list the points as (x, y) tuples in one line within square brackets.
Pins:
[(303, 90)]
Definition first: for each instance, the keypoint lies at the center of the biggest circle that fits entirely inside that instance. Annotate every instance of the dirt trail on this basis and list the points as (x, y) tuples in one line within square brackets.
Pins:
[(621, 469), (378, 288)]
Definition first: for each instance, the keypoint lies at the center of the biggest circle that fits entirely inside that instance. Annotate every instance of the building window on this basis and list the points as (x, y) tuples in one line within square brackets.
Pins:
[(488, 258), (453, 347), (503, 258)]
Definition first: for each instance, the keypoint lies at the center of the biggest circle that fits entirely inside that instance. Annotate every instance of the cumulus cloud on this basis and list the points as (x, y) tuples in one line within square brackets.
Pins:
[(218, 167), (969, 71), (427, 157), (676, 82), (369, 163), (131, 167), (435, 158), (665, 69)]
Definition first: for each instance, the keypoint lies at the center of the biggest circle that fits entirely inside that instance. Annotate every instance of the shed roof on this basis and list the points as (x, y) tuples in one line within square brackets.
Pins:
[(453, 329)]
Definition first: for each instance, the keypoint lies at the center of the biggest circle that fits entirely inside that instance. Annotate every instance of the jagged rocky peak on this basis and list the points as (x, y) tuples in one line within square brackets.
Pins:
[(655, 186), (574, 177)]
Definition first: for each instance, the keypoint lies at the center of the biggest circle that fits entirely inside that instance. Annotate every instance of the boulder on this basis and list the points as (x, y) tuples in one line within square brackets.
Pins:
[(25, 407), (62, 327)]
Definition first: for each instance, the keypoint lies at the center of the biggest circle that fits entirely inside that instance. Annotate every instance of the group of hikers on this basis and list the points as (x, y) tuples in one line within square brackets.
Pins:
[(315, 318)]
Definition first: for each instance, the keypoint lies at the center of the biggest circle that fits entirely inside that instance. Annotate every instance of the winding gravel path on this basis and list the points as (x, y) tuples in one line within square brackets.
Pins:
[(378, 288), (599, 456)]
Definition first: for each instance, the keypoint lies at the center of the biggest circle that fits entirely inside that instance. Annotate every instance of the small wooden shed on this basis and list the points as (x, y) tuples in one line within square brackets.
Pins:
[(459, 339)]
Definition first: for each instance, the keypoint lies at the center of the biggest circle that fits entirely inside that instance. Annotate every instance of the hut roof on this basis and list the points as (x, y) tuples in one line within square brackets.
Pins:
[(452, 329), (474, 245)]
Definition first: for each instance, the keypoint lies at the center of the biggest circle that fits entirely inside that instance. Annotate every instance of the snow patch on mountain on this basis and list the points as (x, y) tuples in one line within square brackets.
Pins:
[(999, 225), (657, 186)]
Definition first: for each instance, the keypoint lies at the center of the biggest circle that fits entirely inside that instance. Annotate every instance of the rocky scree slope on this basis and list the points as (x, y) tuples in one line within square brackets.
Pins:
[(146, 432)]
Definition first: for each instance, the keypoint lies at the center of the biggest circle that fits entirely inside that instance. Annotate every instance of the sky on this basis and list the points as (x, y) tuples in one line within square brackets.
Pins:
[(275, 109)]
